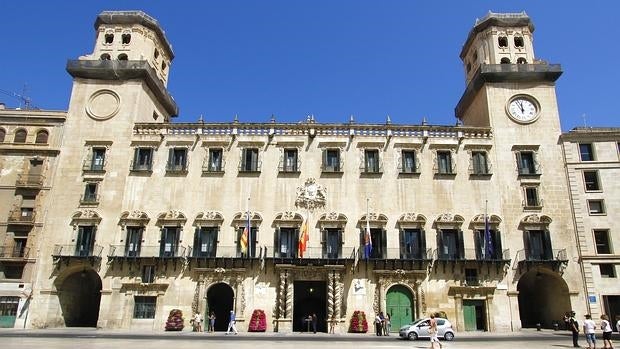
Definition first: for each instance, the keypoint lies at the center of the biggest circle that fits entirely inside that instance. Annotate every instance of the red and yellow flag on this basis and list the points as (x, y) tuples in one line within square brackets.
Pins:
[(303, 239)]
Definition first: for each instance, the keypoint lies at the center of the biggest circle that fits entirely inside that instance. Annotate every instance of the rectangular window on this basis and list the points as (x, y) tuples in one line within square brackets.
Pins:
[(601, 238), (27, 213), (378, 242), (449, 244), (169, 243), (596, 207), (144, 307), (98, 160), (148, 274), (531, 197), (215, 160), (133, 243), (205, 242), (85, 241), (142, 159), (19, 247), (412, 246), (333, 243), (331, 160), (408, 158), (471, 277), (249, 160), (177, 160), (90, 193), (371, 161), (591, 180), (538, 245), (526, 163), (287, 243), (607, 270), (479, 163), (8, 306), (586, 152), (290, 161), (444, 162)]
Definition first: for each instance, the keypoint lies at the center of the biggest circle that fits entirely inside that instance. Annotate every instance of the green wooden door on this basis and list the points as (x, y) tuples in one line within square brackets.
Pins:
[(399, 305), (469, 315), (8, 311)]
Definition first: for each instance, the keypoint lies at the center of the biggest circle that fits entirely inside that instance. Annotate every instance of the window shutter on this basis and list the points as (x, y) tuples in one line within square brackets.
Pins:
[(519, 163), (423, 244), (383, 243), (340, 241), (276, 243), (499, 251), (296, 242), (138, 246), (197, 243), (547, 245), (136, 151), (478, 243), (440, 247), (527, 242), (170, 158), (404, 253), (324, 242), (324, 155), (461, 245)]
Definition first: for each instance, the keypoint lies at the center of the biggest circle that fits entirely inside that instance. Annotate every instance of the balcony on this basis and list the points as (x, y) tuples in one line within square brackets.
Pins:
[(225, 257), (177, 168), (14, 253), (554, 259), (471, 257), (140, 167), (20, 216), (29, 181), (151, 252), (313, 256), (94, 166), (68, 253)]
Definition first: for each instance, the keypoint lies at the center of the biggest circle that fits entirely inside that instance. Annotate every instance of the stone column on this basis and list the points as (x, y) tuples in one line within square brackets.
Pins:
[(331, 296), (289, 296), (339, 294), (458, 307), (515, 317)]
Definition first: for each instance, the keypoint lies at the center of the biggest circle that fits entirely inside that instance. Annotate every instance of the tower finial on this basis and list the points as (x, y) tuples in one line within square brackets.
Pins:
[(236, 119), (424, 121), (351, 119), (388, 120)]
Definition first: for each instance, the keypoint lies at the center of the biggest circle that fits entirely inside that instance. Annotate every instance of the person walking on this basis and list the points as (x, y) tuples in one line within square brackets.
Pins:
[(378, 325), (606, 327), (212, 322), (432, 330), (231, 323), (387, 324), (573, 326), (588, 329)]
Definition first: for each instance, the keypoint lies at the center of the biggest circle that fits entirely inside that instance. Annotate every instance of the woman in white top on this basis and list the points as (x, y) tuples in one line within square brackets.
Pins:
[(606, 327), (588, 328)]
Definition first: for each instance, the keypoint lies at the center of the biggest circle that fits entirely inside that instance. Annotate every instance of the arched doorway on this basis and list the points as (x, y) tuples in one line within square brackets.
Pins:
[(543, 298), (220, 301), (79, 296), (399, 304)]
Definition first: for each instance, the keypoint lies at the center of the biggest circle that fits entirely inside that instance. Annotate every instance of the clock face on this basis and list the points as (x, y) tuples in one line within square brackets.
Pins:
[(523, 109)]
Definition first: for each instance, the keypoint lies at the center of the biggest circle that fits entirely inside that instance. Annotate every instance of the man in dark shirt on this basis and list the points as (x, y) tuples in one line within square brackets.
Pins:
[(573, 326)]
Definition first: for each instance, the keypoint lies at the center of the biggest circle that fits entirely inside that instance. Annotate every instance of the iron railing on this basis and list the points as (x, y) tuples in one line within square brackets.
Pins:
[(149, 251), (24, 217), (541, 255), (79, 251), (14, 252)]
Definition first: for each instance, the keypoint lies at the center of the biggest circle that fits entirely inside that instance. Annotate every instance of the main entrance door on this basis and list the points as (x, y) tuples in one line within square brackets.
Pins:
[(543, 298), (399, 305), (79, 296), (220, 302), (310, 298), (474, 315)]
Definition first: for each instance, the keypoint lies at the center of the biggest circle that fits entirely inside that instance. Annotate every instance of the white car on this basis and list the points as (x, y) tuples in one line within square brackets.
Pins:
[(419, 329)]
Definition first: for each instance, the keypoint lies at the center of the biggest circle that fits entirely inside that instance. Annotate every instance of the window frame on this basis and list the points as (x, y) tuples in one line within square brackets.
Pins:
[(250, 165), (601, 212), (607, 274), (42, 137), (326, 163), (2, 135), (533, 169), (148, 274), (90, 196), (590, 152), (20, 136), (285, 167), (145, 307), (137, 165), (606, 245), (475, 164), (404, 170), (596, 181), (449, 167), (527, 204), (174, 157), (214, 164), (371, 168)]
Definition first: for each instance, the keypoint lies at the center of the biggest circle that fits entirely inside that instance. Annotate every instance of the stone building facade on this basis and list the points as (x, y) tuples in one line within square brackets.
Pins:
[(30, 142), (592, 157), (471, 221)]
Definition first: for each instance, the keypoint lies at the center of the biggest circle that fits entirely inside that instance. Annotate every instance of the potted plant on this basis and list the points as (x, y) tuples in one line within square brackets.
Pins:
[(258, 322), (358, 322), (175, 320)]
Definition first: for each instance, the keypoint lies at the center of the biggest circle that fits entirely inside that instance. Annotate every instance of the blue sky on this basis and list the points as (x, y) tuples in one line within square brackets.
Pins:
[(327, 58)]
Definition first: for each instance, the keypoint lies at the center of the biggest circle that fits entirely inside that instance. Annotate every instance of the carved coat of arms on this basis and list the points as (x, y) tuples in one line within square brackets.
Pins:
[(311, 195)]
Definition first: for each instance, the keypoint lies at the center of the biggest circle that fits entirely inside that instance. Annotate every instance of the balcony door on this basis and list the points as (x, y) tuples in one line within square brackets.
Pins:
[(287, 242), (133, 242), (205, 242), (538, 245), (333, 243), (413, 244), (85, 241), (169, 242), (450, 244)]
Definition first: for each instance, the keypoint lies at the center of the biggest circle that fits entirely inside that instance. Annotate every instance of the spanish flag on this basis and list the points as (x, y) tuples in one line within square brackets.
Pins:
[(303, 239), (243, 241)]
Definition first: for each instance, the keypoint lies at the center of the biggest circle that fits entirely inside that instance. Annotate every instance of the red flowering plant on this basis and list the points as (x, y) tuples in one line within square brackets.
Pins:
[(175, 320), (358, 322), (258, 322)]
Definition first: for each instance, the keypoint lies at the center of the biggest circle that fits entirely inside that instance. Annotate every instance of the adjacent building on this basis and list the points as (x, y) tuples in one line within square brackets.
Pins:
[(472, 221)]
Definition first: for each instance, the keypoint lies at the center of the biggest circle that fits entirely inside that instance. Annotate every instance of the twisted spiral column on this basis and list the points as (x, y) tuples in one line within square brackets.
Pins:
[(281, 296), (339, 295), (289, 296), (331, 303)]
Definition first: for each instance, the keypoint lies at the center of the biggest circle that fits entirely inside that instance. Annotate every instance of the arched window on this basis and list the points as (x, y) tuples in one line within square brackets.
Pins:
[(2, 135), (42, 137), (505, 60), (109, 38), (122, 57), (163, 65), (502, 41), (521, 60), (156, 54), (105, 57), (20, 136), (519, 41), (126, 39)]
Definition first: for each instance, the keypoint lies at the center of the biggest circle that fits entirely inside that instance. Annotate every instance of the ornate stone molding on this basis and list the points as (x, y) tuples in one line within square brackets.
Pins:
[(411, 219), (332, 220), (449, 221), (311, 195), (478, 221), (208, 219), (135, 217), (288, 218), (171, 217), (85, 217), (146, 289), (374, 219), (240, 219)]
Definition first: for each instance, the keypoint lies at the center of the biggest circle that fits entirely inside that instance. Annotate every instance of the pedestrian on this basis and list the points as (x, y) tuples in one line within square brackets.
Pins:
[(314, 320), (432, 330), (231, 323), (212, 322), (387, 324), (378, 325), (573, 326), (588, 329), (197, 322), (606, 327), (382, 325)]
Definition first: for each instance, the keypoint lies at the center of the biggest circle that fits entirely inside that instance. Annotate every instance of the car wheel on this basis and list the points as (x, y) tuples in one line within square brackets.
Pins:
[(448, 336), (412, 335)]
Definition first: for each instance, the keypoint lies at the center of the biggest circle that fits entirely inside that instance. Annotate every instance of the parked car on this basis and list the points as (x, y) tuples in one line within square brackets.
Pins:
[(419, 329)]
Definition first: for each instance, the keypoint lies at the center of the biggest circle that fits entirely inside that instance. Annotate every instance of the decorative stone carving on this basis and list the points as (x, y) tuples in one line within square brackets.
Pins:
[(536, 219), (331, 296), (85, 217), (135, 217), (282, 296), (209, 218), (311, 195), (171, 217), (289, 296)]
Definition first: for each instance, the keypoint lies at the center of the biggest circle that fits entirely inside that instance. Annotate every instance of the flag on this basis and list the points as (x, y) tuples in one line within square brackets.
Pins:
[(367, 240), (488, 242), (303, 239), (243, 241)]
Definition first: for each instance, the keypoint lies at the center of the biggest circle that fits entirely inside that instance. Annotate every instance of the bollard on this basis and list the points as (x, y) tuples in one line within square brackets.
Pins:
[(538, 326)]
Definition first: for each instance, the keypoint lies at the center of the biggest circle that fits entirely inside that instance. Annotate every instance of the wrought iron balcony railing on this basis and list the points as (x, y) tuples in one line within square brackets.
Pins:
[(19, 216), (529, 255), (77, 251), (141, 251), (8, 252), (471, 254)]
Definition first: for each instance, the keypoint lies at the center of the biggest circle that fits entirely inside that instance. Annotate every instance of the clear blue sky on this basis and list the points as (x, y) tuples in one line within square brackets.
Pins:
[(329, 58)]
